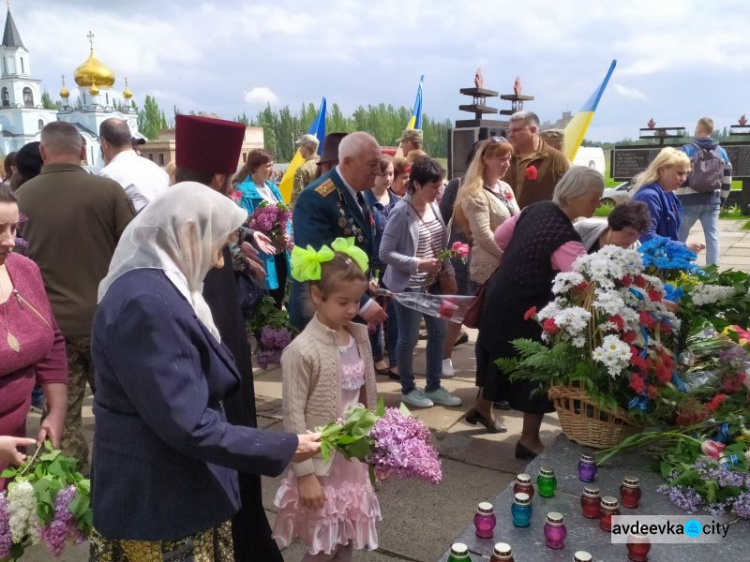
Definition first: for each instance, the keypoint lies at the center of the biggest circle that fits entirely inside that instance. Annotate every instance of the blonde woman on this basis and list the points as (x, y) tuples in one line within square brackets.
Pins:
[(655, 187), (483, 203)]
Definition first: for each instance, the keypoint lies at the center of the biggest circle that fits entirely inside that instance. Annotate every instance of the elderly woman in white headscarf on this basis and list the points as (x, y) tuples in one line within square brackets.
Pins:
[(165, 476)]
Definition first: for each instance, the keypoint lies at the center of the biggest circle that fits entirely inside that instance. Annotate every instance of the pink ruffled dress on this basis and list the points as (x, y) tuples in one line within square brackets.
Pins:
[(351, 509)]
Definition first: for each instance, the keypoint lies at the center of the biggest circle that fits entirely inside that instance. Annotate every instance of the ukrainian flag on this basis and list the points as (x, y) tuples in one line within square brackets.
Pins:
[(576, 129), (317, 129), (415, 122)]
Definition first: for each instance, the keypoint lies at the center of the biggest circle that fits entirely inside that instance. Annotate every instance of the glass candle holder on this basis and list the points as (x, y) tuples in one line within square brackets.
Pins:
[(587, 468), (521, 510), (502, 553), (591, 502), (609, 507), (546, 482), (555, 531), (630, 492), (582, 556), (484, 520), (523, 485), (459, 553), (638, 547)]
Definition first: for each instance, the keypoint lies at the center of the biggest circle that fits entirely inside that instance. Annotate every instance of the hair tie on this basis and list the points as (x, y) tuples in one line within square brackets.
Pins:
[(348, 247)]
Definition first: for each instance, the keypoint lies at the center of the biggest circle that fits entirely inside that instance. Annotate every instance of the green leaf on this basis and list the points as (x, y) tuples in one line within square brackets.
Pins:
[(8, 473), (80, 504), (55, 468), (358, 450), (325, 450), (50, 456), (380, 410), (405, 411)]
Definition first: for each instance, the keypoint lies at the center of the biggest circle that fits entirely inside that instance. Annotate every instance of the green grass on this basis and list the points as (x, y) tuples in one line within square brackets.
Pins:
[(746, 226), (732, 212), (603, 211)]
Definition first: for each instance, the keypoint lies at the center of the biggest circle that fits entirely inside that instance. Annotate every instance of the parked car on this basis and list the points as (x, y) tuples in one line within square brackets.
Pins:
[(591, 157), (619, 194)]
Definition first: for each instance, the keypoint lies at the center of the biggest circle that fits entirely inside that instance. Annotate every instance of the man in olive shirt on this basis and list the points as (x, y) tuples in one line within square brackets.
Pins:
[(75, 220), (535, 167), (305, 174)]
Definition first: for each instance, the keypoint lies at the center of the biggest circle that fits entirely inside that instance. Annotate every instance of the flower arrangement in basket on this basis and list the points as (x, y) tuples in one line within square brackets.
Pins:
[(47, 500), (606, 355)]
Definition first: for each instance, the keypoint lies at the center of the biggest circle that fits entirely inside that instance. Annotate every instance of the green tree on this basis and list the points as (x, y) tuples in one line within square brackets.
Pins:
[(47, 102), (151, 119)]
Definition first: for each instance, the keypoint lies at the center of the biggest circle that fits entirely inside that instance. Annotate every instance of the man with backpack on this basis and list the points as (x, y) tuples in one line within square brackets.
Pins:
[(707, 187)]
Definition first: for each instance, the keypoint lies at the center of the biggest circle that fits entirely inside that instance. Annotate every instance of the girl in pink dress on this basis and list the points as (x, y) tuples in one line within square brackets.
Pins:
[(329, 505)]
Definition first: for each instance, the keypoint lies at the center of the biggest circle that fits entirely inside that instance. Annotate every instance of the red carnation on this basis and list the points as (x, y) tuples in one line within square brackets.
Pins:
[(639, 281), (653, 392), (530, 313), (637, 383), (654, 295), (646, 319), (619, 322), (581, 287), (627, 280), (509, 195), (629, 337), (549, 325), (664, 374), (531, 173), (715, 402)]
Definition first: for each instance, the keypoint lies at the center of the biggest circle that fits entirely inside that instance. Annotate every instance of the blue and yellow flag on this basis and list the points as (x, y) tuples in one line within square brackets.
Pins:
[(576, 129), (318, 130), (415, 122)]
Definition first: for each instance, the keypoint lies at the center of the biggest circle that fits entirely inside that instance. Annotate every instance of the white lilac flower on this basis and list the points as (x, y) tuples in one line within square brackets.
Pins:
[(22, 507), (564, 282), (709, 294)]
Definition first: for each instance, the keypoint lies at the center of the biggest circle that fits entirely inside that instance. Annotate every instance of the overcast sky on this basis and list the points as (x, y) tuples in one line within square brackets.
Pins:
[(678, 60)]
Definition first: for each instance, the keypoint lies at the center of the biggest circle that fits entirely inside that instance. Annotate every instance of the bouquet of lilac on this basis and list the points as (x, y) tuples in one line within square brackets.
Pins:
[(271, 220), (392, 442), (272, 342)]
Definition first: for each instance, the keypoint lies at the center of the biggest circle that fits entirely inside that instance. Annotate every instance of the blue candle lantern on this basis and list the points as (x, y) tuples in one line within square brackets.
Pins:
[(521, 510)]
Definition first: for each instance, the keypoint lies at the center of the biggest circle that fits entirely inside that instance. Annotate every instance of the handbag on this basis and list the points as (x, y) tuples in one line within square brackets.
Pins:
[(474, 311)]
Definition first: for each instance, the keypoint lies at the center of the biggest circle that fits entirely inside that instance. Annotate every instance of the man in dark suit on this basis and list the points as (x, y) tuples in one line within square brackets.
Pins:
[(334, 206), (208, 152)]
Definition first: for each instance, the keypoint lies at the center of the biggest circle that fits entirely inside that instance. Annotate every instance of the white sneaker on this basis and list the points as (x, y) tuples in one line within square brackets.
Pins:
[(443, 397), (417, 398), (448, 370)]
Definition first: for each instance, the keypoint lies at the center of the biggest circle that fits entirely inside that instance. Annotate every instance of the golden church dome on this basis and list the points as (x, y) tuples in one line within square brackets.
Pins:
[(93, 90), (127, 94), (64, 93), (94, 71)]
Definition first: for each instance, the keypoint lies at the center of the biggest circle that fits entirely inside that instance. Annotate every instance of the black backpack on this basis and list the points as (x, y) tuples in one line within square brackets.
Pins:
[(707, 173)]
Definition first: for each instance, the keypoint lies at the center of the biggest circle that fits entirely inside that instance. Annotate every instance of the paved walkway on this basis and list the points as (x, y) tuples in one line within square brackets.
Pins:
[(420, 520)]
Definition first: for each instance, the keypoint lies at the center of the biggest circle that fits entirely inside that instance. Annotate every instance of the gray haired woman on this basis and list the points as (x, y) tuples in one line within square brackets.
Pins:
[(537, 244)]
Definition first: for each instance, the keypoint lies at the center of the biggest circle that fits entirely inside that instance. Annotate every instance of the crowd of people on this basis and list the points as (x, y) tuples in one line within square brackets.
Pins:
[(130, 285)]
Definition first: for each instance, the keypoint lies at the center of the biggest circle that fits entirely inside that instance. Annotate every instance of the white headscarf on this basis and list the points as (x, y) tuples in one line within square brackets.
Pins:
[(179, 232)]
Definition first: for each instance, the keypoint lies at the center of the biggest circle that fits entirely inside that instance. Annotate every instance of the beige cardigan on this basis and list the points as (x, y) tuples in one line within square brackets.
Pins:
[(310, 375), (485, 213)]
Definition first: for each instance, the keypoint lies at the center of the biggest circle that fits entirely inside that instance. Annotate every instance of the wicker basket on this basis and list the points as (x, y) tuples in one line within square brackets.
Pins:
[(586, 423)]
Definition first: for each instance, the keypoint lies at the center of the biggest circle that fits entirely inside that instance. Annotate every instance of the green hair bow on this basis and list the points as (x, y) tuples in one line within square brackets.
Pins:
[(347, 246), (306, 262)]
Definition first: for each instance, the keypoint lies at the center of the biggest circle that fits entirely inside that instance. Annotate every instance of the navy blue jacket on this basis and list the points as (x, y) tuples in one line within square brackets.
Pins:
[(165, 457), (324, 211)]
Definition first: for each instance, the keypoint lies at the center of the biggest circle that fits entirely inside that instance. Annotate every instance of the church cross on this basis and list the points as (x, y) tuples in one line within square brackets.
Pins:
[(91, 40)]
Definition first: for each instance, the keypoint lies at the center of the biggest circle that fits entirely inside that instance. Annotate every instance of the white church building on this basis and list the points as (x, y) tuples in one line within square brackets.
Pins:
[(22, 114)]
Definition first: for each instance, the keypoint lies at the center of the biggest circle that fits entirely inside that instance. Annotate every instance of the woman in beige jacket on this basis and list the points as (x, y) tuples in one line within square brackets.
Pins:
[(483, 203)]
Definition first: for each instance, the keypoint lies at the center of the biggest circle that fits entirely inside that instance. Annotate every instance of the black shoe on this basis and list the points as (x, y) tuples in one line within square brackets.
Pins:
[(502, 405), (524, 453), (382, 372), (393, 376), (462, 340), (493, 426)]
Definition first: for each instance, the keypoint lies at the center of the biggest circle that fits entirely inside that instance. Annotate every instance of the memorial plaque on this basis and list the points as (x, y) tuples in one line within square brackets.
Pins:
[(627, 161), (739, 155)]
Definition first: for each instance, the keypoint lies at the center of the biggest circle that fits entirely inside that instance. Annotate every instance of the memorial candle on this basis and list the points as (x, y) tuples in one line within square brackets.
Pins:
[(521, 510), (459, 553), (484, 520), (590, 502), (555, 531), (523, 485), (502, 553), (546, 482), (630, 492), (609, 507), (638, 548), (587, 468)]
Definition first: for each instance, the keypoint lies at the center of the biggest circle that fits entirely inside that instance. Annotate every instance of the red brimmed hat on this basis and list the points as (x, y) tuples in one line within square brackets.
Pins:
[(205, 144)]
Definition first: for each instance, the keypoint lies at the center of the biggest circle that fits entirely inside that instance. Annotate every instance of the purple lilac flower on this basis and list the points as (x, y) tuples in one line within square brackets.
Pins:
[(55, 534), (684, 497), (402, 448), (275, 338), (721, 474), (6, 540), (741, 507), (734, 357), (268, 357)]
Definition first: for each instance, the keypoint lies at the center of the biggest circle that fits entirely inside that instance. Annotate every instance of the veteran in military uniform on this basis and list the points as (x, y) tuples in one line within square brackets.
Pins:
[(334, 206)]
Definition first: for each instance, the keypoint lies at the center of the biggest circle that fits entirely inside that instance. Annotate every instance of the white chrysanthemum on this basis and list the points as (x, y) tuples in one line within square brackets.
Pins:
[(22, 508), (613, 354), (608, 301), (579, 342), (573, 320), (709, 294), (564, 282)]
